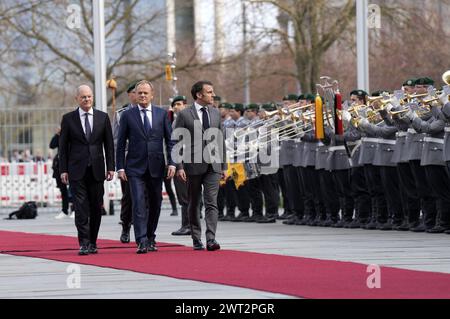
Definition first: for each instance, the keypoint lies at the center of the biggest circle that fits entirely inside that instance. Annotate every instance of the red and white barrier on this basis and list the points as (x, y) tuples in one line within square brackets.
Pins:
[(22, 182)]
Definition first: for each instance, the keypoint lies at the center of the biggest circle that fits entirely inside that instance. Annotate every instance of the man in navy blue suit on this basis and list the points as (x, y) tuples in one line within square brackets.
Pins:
[(145, 128)]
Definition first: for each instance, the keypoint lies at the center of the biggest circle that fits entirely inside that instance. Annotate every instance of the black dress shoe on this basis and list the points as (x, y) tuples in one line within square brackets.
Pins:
[(447, 232), (125, 236), (84, 250), (403, 227), (92, 248), (183, 231), (197, 244), (142, 248), (212, 245), (437, 230), (174, 213), (290, 221), (419, 229), (267, 220), (152, 246)]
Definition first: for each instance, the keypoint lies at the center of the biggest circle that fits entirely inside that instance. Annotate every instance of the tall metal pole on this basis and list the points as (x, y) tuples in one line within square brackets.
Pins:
[(246, 64), (362, 41), (100, 71), (99, 52)]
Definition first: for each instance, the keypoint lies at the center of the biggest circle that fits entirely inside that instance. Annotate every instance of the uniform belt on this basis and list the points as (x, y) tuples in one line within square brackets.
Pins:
[(401, 134), (447, 129), (412, 131), (371, 140), (384, 141), (434, 140), (337, 148)]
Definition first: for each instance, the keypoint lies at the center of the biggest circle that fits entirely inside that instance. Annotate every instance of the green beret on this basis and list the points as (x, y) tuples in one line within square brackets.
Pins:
[(410, 82), (269, 107), (310, 97), (132, 86), (290, 97), (301, 97), (424, 81), (252, 107), (228, 106), (179, 98), (217, 98), (358, 93), (379, 92), (238, 107)]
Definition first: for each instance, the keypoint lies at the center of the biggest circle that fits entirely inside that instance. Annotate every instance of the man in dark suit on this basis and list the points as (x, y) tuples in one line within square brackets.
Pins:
[(203, 162), (145, 128), (85, 134)]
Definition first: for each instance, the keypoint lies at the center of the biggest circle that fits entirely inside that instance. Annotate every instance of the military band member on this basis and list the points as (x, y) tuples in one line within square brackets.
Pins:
[(386, 131), (293, 194), (432, 160), (413, 154)]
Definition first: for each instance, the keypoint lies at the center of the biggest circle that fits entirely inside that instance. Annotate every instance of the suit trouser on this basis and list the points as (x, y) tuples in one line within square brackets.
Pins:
[(221, 200), (329, 194), (126, 211), (170, 193), (411, 196), (146, 194), (64, 195), (373, 177), (269, 186), (308, 194), (294, 191), (87, 196), (181, 189), (429, 210), (312, 184), (210, 182), (282, 186), (361, 195), (230, 197), (256, 196), (343, 188), (390, 182), (440, 186)]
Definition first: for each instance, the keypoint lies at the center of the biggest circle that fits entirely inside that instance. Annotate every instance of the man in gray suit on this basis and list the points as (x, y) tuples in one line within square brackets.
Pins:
[(203, 160)]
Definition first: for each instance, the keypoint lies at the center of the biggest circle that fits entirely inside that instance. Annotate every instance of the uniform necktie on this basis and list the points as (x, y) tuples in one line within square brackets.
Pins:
[(87, 126), (205, 120), (147, 126)]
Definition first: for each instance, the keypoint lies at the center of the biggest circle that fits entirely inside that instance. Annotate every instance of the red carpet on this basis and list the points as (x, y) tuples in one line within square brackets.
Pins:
[(295, 276)]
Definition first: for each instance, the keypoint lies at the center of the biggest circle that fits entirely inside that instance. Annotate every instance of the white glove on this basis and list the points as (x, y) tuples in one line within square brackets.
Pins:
[(389, 107), (346, 116), (411, 115), (364, 122), (443, 98)]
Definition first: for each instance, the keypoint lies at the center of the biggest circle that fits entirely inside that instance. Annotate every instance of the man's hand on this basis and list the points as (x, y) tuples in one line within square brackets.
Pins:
[(171, 172), (65, 178), (109, 176), (182, 174), (224, 175), (122, 176)]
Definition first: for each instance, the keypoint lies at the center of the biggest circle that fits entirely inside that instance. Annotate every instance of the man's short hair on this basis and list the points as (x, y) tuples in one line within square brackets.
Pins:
[(198, 87), (140, 83)]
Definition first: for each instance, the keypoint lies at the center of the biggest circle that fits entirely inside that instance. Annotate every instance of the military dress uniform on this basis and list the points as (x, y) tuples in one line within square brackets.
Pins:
[(311, 176), (432, 159), (393, 216), (339, 164), (412, 152)]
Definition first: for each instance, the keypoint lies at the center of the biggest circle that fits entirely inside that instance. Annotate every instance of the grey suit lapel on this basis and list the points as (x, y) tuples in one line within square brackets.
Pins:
[(195, 117)]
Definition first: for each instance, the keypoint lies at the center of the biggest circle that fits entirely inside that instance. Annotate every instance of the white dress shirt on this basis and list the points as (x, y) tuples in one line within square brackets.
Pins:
[(148, 113), (198, 107), (83, 118)]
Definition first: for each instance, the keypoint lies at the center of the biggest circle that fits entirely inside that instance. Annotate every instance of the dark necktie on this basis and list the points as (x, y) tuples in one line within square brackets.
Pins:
[(87, 126), (147, 126), (205, 120)]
